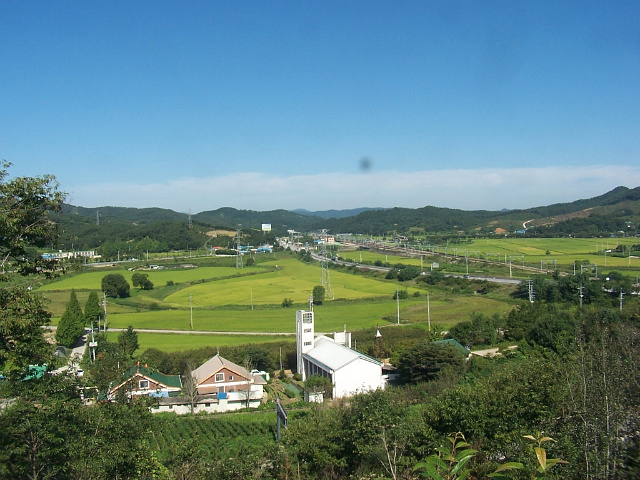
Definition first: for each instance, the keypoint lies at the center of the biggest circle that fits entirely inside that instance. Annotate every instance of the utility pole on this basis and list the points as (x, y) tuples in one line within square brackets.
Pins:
[(104, 307), (92, 345), (191, 309), (398, 303), (581, 295), (238, 244), (428, 313)]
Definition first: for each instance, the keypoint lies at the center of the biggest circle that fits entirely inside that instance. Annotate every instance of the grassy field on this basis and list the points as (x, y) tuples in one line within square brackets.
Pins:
[(292, 279), (221, 299), (91, 279), (174, 342), (531, 252)]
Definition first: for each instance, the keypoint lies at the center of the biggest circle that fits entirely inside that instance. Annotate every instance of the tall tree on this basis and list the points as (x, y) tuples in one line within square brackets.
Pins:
[(128, 341), (25, 207), (71, 326), (92, 309), (318, 294)]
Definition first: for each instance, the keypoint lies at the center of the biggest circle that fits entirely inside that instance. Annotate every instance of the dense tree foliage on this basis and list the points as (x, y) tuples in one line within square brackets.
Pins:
[(128, 341), (318, 294), (71, 326), (426, 361), (115, 285), (26, 204), (93, 312), (142, 281), (22, 313)]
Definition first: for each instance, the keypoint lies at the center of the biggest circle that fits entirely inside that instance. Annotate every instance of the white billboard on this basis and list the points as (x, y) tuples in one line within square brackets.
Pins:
[(266, 227)]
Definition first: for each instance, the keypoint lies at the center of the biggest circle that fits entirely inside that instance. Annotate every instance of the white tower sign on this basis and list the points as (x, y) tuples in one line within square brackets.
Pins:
[(304, 337)]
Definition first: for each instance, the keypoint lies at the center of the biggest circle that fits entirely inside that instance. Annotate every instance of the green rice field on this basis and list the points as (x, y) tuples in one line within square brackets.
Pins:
[(223, 299), (541, 253), (173, 342)]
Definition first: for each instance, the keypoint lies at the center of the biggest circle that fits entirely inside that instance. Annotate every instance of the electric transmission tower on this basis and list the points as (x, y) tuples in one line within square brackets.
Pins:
[(238, 244), (325, 281), (532, 294)]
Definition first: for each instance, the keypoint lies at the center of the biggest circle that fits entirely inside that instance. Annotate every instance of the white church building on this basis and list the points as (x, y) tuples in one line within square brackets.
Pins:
[(350, 371)]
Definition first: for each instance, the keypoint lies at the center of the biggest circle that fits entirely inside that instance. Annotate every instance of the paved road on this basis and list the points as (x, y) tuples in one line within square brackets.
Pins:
[(80, 349)]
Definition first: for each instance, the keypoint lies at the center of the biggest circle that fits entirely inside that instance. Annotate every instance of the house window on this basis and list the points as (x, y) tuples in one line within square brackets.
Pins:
[(307, 330), (219, 377), (143, 385), (307, 343), (230, 377)]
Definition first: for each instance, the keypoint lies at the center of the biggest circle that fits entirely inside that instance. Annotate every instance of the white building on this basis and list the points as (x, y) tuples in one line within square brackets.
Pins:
[(349, 370)]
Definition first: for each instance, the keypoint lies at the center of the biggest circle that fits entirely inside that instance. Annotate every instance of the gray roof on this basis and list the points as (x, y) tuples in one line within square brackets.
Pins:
[(333, 356)]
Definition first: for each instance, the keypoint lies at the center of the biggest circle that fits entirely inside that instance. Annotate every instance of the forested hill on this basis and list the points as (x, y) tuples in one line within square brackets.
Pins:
[(605, 213), (616, 210), (232, 217)]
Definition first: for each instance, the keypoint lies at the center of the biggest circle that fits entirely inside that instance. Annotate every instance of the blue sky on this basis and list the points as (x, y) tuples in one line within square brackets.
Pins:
[(327, 104)]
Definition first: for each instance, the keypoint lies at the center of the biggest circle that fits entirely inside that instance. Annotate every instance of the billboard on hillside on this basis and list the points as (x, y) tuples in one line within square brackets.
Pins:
[(266, 227)]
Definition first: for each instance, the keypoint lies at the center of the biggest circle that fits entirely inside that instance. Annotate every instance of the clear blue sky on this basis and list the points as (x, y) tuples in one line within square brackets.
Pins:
[(326, 104)]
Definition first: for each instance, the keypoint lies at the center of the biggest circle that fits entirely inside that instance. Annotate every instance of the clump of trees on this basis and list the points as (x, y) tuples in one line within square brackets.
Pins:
[(141, 280), (318, 294), (114, 285)]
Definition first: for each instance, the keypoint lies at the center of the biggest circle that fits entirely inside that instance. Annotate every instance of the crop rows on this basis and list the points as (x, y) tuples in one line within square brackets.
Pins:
[(213, 430)]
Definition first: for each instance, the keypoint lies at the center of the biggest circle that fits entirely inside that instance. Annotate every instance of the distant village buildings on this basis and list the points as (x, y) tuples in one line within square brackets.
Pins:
[(60, 255)]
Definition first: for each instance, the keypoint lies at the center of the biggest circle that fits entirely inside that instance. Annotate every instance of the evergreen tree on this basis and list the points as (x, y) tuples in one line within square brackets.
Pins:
[(128, 341), (92, 310), (71, 325)]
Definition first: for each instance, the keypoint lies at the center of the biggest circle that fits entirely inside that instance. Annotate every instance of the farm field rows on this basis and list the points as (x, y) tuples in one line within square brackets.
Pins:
[(216, 434), (250, 302), (531, 251), (292, 279)]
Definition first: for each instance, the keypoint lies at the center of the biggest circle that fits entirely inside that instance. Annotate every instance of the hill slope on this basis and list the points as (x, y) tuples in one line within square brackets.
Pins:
[(616, 210)]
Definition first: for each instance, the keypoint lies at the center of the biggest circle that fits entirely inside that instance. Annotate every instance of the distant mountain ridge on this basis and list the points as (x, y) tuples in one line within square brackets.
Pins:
[(351, 212), (618, 207)]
